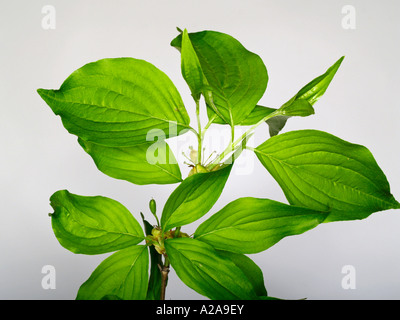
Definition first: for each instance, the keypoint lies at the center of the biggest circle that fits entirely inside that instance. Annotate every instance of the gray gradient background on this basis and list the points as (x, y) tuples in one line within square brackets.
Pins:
[(297, 41)]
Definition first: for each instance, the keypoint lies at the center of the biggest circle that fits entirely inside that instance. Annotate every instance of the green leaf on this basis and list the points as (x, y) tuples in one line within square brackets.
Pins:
[(294, 108), (111, 297), (313, 91), (92, 225), (299, 108), (256, 115), (118, 102), (201, 268), (275, 124), (250, 225), (148, 163), (193, 198), (270, 298), (191, 68), (237, 78), (123, 275), (249, 268), (299, 105), (322, 172)]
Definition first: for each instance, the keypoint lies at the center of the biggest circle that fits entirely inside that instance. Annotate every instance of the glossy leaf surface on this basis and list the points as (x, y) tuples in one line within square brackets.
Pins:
[(256, 115), (191, 68), (118, 102), (237, 78), (200, 267), (313, 90), (122, 276), (299, 105), (149, 163), (322, 172), (250, 225), (92, 225), (249, 268), (193, 198)]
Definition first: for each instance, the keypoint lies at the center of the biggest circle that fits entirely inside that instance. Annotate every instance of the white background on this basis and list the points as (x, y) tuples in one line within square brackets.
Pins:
[(297, 40)]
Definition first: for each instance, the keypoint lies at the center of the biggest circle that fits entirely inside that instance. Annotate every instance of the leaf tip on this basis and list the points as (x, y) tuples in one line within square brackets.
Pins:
[(41, 91), (46, 94), (339, 62), (57, 195)]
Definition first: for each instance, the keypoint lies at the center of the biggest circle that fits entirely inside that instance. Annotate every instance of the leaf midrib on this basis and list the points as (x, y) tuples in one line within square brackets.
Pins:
[(283, 163), (111, 108), (237, 226), (101, 229)]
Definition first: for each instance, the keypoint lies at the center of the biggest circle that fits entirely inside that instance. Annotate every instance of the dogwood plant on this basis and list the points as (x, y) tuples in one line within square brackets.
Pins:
[(123, 109)]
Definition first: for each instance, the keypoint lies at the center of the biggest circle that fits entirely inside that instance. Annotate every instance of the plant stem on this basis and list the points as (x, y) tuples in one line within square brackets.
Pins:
[(199, 135), (232, 128), (209, 123), (177, 232), (233, 145), (164, 277), (158, 221)]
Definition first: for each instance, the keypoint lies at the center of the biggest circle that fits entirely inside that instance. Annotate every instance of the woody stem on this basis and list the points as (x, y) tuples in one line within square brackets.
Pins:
[(164, 277)]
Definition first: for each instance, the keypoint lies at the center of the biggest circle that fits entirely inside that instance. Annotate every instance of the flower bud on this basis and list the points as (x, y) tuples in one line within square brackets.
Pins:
[(152, 206), (156, 232)]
